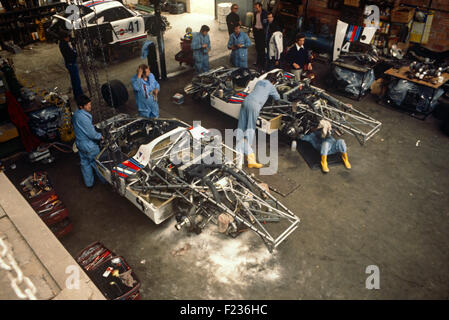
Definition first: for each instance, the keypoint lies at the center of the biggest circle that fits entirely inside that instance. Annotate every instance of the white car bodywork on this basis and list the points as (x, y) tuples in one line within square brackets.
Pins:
[(233, 109), (128, 25)]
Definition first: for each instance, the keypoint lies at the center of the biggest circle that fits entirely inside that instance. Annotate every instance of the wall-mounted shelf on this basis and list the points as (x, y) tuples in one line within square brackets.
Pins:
[(19, 24)]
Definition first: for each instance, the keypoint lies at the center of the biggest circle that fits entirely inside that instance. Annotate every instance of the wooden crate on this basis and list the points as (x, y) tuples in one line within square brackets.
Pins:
[(352, 3), (402, 15)]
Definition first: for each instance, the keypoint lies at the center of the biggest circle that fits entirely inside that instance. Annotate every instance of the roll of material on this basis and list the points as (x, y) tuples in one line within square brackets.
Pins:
[(224, 8), (222, 19), (249, 19)]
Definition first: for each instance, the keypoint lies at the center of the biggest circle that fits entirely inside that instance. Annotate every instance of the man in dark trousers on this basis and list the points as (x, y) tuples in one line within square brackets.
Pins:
[(259, 28), (69, 53), (298, 56), (271, 28), (149, 52), (233, 19)]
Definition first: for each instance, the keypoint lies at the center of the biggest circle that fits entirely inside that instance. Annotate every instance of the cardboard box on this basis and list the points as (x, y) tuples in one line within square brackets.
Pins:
[(402, 14), (8, 131), (269, 125), (378, 87), (420, 31)]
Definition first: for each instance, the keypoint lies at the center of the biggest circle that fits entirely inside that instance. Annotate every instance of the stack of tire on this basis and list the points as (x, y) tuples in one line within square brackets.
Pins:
[(223, 9)]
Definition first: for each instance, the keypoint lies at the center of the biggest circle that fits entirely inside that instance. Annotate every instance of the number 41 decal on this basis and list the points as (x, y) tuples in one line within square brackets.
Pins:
[(131, 26)]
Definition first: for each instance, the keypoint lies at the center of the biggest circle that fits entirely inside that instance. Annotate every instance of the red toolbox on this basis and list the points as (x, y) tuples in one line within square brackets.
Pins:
[(55, 215), (93, 255), (62, 228), (37, 186), (110, 273), (43, 199)]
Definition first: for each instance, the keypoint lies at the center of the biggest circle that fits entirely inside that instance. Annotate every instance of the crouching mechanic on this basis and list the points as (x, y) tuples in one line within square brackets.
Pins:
[(146, 89), (86, 140), (251, 106), (326, 144)]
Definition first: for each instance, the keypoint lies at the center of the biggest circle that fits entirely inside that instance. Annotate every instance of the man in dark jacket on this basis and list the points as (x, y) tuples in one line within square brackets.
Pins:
[(271, 28), (259, 27), (298, 56), (233, 19), (69, 53)]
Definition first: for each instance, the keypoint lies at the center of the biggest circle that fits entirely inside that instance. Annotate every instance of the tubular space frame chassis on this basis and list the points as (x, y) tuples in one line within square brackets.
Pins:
[(342, 115), (162, 181)]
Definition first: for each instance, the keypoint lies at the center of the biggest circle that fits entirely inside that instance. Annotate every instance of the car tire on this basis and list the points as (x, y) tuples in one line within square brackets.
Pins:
[(118, 91)]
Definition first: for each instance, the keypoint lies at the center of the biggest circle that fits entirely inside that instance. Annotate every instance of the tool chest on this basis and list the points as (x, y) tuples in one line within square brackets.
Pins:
[(111, 273), (42, 197)]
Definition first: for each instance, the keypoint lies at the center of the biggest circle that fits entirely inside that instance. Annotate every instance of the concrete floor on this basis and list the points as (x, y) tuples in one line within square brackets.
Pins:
[(390, 210)]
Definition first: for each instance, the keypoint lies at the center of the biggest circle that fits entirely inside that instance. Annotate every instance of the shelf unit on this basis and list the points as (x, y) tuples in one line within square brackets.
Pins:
[(389, 30), (19, 24), (289, 12)]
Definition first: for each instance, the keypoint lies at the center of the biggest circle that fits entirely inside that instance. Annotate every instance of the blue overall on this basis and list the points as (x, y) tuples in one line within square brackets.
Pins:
[(200, 54), (327, 145), (147, 106), (86, 135), (251, 106), (239, 57)]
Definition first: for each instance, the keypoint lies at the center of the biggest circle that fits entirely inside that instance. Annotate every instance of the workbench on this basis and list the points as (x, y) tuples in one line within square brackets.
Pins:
[(402, 74)]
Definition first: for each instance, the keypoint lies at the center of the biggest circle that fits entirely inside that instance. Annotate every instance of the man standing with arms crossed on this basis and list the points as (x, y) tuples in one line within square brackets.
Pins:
[(233, 19)]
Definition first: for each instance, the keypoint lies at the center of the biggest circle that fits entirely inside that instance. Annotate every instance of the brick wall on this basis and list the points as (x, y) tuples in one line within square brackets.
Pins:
[(439, 36), (318, 9)]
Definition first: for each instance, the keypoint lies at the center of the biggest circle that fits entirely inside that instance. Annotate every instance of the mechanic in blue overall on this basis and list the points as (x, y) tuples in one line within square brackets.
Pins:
[(201, 48), (239, 43), (146, 89), (86, 140), (321, 139), (69, 53), (251, 106)]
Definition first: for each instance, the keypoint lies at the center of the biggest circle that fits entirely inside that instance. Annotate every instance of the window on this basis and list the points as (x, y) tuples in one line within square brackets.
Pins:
[(122, 13), (110, 15)]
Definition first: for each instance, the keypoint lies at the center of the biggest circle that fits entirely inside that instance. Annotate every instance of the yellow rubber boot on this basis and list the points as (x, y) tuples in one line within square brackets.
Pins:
[(324, 166), (344, 157), (252, 162)]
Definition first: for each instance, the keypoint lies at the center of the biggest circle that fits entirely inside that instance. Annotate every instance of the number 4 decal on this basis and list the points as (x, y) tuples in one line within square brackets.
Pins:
[(131, 26), (346, 46)]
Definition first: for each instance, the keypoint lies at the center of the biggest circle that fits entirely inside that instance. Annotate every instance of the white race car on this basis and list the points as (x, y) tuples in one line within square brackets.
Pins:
[(301, 107), (117, 24), (166, 167)]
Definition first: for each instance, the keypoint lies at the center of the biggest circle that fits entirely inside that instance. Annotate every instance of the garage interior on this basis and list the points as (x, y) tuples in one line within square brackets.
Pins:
[(390, 210)]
